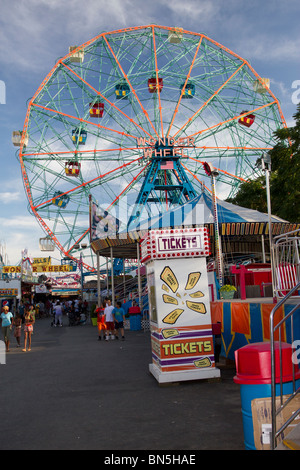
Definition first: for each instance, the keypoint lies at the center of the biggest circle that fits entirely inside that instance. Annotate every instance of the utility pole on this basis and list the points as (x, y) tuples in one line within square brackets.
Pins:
[(213, 172)]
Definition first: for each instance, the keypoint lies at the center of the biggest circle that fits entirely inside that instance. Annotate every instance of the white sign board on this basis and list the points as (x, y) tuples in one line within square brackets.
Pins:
[(179, 305)]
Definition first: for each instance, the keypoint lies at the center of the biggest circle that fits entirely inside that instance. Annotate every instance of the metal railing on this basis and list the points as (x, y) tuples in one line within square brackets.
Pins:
[(276, 410), (286, 262)]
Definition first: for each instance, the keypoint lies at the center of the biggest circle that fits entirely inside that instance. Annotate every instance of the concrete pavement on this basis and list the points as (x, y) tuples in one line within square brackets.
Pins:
[(72, 391)]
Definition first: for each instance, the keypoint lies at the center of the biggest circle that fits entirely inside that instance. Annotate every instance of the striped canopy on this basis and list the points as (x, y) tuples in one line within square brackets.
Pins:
[(233, 221), (201, 211)]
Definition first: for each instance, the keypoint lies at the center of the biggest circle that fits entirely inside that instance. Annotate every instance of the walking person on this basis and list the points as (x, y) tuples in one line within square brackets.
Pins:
[(58, 314), (119, 318), (101, 322), (48, 308), (7, 320), (28, 327), (21, 311), (32, 312), (37, 310), (17, 329), (71, 314), (109, 320)]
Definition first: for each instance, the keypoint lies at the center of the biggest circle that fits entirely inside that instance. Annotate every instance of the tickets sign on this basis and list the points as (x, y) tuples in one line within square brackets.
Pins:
[(175, 243), (183, 349), (179, 242)]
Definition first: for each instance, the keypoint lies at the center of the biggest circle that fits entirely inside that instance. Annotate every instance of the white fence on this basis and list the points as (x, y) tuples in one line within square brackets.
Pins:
[(286, 269)]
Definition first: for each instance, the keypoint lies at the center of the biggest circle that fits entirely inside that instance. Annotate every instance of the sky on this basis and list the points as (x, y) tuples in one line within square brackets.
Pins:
[(34, 34)]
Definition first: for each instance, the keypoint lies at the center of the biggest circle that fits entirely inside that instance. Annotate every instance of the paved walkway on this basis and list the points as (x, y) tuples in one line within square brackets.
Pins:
[(74, 392)]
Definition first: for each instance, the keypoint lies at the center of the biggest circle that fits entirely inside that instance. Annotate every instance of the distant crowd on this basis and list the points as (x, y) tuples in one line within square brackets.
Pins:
[(110, 319), (26, 315)]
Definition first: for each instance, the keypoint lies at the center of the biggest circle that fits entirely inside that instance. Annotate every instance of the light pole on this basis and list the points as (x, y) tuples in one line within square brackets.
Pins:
[(266, 168), (80, 265), (213, 172)]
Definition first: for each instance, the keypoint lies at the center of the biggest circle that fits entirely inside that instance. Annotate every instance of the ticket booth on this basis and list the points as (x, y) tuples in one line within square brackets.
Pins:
[(179, 304)]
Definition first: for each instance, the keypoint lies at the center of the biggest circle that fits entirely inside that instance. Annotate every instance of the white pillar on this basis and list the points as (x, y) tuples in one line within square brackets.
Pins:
[(112, 277)]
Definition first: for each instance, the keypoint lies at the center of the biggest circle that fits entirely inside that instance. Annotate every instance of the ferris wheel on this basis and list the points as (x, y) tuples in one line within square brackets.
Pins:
[(128, 120)]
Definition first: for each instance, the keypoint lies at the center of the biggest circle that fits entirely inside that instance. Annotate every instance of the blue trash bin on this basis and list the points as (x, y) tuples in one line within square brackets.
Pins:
[(253, 374), (135, 322), (135, 318)]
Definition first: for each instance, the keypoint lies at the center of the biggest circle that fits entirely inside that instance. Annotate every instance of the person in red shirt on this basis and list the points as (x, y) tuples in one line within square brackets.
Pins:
[(101, 323)]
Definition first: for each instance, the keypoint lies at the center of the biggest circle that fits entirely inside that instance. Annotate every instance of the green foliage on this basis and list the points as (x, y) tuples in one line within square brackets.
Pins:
[(227, 288), (284, 180), (252, 195)]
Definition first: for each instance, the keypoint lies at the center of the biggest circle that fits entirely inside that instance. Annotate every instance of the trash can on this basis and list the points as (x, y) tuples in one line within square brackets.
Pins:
[(253, 374), (135, 322), (135, 318)]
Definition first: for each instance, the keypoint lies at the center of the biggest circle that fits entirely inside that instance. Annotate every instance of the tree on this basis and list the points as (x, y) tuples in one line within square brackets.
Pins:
[(252, 194), (284, 180)]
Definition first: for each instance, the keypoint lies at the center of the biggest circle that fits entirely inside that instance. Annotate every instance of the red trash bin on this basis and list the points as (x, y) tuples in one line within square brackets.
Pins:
[(254, 375)]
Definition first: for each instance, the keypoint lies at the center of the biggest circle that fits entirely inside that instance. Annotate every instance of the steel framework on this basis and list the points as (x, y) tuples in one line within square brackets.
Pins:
[(96, 124)]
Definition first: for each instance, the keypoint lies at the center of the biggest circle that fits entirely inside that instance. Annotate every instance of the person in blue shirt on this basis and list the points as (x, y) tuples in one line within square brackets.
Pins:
[(119, 318), (7, 322)]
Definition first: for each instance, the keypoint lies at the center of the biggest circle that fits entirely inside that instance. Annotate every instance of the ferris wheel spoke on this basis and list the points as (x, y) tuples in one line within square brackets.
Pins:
[(157, 86), (219, 170), (195, 177), (260, 80), (227, 121), (83, 120), (77, 152), (130, 85), (78, 240), (41, 130), (87, 183), (133, 181), (76, 233), (98, 93), (251, 149), (198, 112), (184, 87), (47, 229)]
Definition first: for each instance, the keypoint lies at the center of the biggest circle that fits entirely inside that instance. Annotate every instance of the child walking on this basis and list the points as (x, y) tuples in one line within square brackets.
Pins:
[(17, 330), (28, 328), (101, 322), (119, 318)]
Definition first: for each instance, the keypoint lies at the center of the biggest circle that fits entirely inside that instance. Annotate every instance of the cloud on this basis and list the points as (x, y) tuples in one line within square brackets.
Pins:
[(35, 32), (9, 197), (263, 47), (204, 11), (20, 232), (19, 222)]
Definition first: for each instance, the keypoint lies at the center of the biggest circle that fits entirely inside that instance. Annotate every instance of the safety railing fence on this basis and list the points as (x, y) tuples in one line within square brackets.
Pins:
[(275, 409), (286, 263)]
